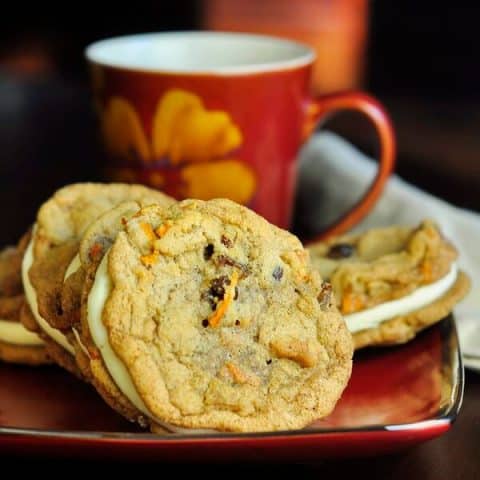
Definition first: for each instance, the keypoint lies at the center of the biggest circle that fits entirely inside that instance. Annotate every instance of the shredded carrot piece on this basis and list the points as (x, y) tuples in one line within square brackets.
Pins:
[(223, 305), (95, 251), (163, 229), (150, 259), (214, 319), (148, 230), (352, 303), (93, 353), (236, 373), (426, 269), (240, 376)]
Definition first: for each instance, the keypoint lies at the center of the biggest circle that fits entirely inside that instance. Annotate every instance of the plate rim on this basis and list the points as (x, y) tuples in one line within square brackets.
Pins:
[(452, 364)]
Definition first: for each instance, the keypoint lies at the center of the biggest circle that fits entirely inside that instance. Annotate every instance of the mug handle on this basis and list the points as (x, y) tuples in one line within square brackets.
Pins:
[(318, 111)]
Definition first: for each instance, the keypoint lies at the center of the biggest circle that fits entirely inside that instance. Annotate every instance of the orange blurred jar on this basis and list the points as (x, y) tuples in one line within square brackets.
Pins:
[(336, 29)]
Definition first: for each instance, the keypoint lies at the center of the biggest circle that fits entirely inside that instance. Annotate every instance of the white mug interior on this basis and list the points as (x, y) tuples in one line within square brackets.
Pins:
[(200, 52)]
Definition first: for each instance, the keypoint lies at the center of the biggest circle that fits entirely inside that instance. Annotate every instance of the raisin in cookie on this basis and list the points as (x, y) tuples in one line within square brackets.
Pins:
[(61, 221), (390, 283), (205, 316)]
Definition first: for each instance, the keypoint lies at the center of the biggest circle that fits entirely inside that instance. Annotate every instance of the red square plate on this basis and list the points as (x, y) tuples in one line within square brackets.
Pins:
[(397, 397)]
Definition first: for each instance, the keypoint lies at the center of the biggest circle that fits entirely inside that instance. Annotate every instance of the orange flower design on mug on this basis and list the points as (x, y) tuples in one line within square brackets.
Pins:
[(189, 150)]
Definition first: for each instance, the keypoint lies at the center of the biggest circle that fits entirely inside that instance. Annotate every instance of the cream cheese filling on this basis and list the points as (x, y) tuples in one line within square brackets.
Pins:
[(75, 264), (73, 267), (421, 297), (31, 297), (99, 293), (16, 334)]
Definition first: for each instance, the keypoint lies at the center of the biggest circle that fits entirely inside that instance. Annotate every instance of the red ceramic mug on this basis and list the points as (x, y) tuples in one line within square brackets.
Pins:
[(206, 115)]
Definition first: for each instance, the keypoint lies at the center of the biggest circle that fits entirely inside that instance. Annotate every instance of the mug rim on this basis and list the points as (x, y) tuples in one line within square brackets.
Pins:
[(94, 53)]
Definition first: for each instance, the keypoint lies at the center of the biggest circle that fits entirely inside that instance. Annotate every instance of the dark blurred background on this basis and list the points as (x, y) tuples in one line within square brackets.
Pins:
[(419, 58)]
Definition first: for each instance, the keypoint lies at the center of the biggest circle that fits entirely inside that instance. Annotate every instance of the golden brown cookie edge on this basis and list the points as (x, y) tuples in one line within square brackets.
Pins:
[(404, 328), (24, 354)]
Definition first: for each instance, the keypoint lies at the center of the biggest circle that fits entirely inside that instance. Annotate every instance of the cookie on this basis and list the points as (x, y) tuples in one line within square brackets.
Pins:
[(205, 316), (17, 345), (391, 283), (95, 242), (10, 279), (404, 328), (60, 223), (96, 239), (23, 354)]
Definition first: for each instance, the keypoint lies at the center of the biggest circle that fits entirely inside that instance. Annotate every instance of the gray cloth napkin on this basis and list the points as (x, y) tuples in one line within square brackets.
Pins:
[(333, 175)]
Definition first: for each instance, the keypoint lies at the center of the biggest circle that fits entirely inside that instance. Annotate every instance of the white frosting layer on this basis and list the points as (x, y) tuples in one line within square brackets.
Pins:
[(99, 293), (97, 297), (421, 297), (80, 343), (16, 334), (31, 297), (73, 267)]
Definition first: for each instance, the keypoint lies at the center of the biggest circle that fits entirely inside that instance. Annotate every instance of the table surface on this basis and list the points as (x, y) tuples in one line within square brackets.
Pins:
[(48, 138)]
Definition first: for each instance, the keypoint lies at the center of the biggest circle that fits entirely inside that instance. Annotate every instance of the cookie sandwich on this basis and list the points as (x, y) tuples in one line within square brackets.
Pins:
[(96, 240), (17, 344), (52, 249), (391, 283), (202, 315)]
